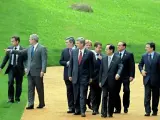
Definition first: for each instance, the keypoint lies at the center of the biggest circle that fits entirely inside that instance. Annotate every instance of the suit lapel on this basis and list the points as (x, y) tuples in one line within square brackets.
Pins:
[(76, 55), (154, 58), (125, 53), (113, 59)]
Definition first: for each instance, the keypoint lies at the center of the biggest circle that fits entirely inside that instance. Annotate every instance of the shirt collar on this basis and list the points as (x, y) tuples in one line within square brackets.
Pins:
[(35, 46), (82, 50), (17, 47), (122, 52), (74, 47), (152, 53), (111, 56)]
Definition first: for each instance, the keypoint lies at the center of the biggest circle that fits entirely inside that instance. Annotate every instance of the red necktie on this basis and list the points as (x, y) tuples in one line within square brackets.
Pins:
[(80, 58)]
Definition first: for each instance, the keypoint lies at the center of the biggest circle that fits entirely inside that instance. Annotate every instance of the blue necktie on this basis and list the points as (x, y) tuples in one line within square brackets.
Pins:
[(32, 52)]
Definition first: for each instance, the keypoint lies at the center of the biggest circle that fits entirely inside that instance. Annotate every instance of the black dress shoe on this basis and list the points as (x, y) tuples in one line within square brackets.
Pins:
[(117, 111), (30, 107), (110, 115), (10, 101), (83, 115), (94, 113), (104, 115), (147, 114), (77, 113), (71, 111), (125, 110), (154, 114), (40, 106)]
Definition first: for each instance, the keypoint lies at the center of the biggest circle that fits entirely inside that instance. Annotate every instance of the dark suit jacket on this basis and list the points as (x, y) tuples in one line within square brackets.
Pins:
[(20, 62), (108, 74), (153, 70), (128, 65), (82, 72), (65, 57), (96, 70)]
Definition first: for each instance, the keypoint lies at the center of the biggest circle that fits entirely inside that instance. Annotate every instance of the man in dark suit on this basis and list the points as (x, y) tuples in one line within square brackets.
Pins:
[(94, 85), (64, 60), (149, 67), (80, 73), (36, 67), (15, 70), (110, 71), (128, 74)]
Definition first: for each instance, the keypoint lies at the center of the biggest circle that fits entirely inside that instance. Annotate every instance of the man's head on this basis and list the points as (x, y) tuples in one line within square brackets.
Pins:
[(150, 47), (70, 42), (88, 44), (121, 46), (110, 49), (98, 47), (80, 42), (33, 39), (15, 40)]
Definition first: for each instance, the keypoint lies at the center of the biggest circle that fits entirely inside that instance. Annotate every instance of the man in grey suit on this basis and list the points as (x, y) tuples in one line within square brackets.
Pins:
[(149, 67), (36, 67), (110, 71), (80, 73)]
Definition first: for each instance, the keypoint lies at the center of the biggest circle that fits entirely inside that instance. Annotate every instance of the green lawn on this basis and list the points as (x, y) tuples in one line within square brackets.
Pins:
[(133, 21), (11, 111)]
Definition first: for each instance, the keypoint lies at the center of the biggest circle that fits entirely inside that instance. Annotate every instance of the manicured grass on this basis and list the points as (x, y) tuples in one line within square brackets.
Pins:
[(10, 111), (133, 21)]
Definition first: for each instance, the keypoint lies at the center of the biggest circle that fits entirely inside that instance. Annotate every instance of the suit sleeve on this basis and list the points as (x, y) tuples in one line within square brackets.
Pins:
[(91, 65), (101, 71), (141, 64), (5, 59), (70, 66), (20, 52), (62, 61), (132, 65), (44, 59), (120, 67)]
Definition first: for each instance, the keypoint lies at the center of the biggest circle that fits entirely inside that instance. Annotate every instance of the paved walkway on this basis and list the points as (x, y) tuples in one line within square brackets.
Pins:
[(56, 105)]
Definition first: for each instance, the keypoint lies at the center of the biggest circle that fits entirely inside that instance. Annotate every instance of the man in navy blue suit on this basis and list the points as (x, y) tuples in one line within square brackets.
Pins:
[(149, 67), (64, 61), (94, 85)]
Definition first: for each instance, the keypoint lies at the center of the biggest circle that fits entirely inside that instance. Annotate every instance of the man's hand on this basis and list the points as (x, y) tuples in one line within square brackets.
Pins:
[(7, 50), (143, 73), (131, 79), (70, 78), (100, 85), (117, 77), (90, 81), (41, 74), (25, 70), (68, 63), (100, 57)]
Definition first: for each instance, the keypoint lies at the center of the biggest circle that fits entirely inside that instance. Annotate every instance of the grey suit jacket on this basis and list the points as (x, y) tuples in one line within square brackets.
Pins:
[(38, 62), (108, 74)]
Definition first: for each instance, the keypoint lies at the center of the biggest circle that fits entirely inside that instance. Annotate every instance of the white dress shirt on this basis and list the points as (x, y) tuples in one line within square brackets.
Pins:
[(35, 46), (81, 51), (122, 53), (17, 48)]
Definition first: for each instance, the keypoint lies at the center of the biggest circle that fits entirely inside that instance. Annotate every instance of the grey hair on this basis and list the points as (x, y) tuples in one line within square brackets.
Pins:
[(34, 37), (81, 40)]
